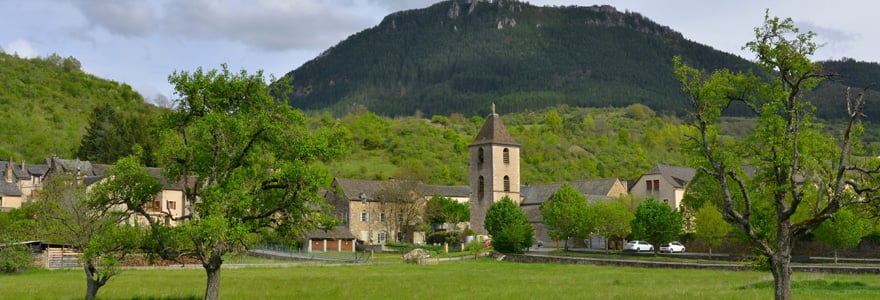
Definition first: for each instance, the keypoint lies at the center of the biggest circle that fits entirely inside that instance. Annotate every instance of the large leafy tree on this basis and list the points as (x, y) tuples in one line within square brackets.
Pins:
[(508, 226), (615, 220), (710, 226), (567, 215), (656, 223), (801, 176), (246, 161), (402, 206)]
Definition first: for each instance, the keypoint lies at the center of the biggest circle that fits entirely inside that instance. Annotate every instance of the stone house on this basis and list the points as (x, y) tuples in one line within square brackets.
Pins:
[(664, 183)]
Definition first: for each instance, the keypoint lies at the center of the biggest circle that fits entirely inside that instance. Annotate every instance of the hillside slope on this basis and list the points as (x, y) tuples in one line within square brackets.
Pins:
[(46, 103)]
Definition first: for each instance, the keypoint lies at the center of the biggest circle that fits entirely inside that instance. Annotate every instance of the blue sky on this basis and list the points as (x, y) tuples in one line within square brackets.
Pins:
[(142, 42)]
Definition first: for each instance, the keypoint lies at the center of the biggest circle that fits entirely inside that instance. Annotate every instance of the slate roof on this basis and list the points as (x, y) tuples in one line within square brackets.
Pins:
[(593, 189), (461, 191), (337, 232), (677, 176), (9, 188), (352, 188), (493, 132)]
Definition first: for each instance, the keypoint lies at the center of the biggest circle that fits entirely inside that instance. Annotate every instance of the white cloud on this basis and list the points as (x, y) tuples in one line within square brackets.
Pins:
[(21, 47), (127, 17)]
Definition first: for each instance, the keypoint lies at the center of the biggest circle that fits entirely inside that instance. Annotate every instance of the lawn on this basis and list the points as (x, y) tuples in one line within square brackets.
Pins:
[(470, 279)]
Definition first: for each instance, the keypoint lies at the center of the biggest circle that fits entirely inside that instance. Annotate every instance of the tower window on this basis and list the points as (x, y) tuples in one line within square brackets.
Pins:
[(480, 187), (506, 156), (480, 156), (506, 183)]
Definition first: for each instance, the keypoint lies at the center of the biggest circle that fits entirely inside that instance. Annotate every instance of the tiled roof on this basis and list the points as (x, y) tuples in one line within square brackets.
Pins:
[(353, 188), (493, 132), (460, 191), (593, 189)]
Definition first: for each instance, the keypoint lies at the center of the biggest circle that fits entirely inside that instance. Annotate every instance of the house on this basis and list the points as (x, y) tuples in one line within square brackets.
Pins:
[(368, 214), (534, 197), (664, 183)]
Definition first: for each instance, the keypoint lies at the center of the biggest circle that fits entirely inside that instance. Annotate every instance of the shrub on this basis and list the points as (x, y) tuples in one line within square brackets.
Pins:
[(15, 258)]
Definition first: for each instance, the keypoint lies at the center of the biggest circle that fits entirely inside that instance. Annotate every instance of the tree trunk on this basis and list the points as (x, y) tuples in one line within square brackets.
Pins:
[(781, 268), (92, 285), (212, 268)]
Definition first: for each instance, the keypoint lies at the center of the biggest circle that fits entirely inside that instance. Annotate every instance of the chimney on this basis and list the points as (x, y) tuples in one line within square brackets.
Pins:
[(9, 171)]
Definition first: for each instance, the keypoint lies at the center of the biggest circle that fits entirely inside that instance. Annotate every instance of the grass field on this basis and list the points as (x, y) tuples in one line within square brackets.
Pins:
[(470, 279)]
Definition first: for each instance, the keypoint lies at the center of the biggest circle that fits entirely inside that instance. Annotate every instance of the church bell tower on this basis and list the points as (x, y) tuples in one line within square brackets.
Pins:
[(494, 169)]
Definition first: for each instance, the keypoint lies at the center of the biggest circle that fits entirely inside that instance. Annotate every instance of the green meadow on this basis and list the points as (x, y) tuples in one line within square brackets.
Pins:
[(470, 279)]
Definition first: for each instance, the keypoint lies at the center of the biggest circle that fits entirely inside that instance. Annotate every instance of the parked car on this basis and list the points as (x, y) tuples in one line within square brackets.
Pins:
[(672, 247), (638, 246)]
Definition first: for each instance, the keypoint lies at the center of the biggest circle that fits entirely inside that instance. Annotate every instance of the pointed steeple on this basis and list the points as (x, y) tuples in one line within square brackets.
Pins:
[(493, 132)]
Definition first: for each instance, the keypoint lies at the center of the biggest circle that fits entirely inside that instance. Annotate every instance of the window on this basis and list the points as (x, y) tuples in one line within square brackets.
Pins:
[(480, 156), (35, 179), (382, 237), (507, 183), (170, 204), (399, 218), (506, 156), (382, 216), (365, 217), (652, 185), (155, 205), (480, 187)]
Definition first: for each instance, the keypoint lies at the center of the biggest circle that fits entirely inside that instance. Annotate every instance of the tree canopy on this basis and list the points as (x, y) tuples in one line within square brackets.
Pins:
[(508, 226), (656, 223), (567, 215)]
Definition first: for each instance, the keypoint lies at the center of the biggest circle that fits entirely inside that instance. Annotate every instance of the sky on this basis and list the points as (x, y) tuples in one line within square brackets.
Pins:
[(142, 42)]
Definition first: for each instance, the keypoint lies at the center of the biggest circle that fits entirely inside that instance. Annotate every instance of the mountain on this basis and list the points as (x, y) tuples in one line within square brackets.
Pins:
[(46, 104), (461, 56)]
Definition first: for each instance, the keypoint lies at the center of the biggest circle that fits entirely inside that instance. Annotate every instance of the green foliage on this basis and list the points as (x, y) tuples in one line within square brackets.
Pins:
[(710, 226), (567, 215), (614, 219), (844, 230), (440, 210), (249, 160), (656, 223), (14, 258), (508, 226), (475, 247), (113, 134), (46, 104)]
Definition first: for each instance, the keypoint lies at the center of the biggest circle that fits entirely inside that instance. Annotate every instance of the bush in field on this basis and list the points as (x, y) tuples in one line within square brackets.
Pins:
[(15, 258)]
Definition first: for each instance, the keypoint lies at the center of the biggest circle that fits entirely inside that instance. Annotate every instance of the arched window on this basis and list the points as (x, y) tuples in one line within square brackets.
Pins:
[(480, 187), (506, 183), (480, 156), (506, 156)]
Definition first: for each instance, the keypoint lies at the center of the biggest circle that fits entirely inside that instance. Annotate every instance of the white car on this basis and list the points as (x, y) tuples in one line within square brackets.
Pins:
[(672, 247), (638, 246)]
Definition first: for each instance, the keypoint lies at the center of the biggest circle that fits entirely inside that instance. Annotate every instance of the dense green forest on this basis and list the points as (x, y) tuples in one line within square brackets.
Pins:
[(455, 58), (47, 103)]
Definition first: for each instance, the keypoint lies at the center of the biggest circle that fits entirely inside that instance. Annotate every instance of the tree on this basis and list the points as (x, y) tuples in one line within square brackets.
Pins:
[(656, 223), (402, 205), (801, 175), (96, 229), (508, 226), (14, 257), (616, 220), (113, 134), (845, 229), (710, 226), (246, 162), (567, 215), (442, 210)]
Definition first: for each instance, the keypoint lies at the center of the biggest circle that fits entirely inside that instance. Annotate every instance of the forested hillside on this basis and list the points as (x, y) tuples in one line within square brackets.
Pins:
[(47, 103), (456, 57)]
